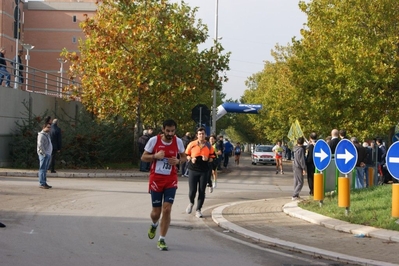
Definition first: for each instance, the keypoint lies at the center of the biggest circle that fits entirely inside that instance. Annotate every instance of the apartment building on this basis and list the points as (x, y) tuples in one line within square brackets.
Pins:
[(48, 25)]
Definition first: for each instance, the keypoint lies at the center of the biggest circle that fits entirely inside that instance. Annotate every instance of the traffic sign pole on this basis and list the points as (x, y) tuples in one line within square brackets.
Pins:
[(345, 160), (392, 163), (321, 158)]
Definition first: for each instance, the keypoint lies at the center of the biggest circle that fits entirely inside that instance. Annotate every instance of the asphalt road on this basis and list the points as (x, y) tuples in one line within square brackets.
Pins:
[(104, 221)]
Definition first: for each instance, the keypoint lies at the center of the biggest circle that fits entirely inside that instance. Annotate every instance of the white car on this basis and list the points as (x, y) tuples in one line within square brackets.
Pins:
[(263, 154)]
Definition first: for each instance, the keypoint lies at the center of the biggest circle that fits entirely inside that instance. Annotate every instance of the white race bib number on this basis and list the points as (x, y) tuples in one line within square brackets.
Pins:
[(162, 167)]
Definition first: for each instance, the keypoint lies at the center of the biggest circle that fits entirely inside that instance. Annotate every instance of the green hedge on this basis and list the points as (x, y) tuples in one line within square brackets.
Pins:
[(86, 142)]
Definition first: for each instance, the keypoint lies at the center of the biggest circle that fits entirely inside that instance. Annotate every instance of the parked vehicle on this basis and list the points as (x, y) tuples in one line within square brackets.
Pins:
[(263, 154)]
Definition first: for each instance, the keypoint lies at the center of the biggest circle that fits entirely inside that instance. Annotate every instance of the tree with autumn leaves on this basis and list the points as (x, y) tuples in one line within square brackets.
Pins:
[(141, 62), (342, 73)]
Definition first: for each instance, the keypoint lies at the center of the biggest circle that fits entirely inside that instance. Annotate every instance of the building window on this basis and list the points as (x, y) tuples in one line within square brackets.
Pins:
[(74, 18), (73, 39)]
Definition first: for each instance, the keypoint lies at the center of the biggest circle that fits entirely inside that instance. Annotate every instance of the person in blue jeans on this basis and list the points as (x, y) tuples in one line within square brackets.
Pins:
[(228, 151), (44, 150), (3, 68), (360, 163)]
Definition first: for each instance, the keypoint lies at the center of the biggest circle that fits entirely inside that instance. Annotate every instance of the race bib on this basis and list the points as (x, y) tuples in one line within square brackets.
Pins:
[(162, 167)]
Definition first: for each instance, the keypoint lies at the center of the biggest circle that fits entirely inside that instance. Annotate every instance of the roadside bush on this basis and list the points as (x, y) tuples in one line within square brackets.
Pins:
[(86, 142)]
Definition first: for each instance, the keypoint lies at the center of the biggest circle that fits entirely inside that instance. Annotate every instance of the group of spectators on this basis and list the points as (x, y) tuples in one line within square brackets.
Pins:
[(370, 154)]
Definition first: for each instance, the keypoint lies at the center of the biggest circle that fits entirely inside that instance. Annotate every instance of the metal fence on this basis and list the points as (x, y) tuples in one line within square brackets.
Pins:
[(38, 81)]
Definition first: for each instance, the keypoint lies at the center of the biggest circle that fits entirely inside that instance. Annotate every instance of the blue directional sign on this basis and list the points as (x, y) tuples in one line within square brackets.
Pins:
[(345, 156), (392, 160), (237, 108), (321, 155)]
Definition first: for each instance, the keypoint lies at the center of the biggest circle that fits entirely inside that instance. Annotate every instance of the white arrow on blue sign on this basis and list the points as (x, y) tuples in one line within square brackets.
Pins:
[(345, 156), (321, 155), (392, 160)]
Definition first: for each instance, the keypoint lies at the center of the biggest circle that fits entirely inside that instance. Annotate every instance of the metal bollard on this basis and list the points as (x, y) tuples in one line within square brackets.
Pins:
[(318, 186), (395, 200), (343, 193), (371, 176)]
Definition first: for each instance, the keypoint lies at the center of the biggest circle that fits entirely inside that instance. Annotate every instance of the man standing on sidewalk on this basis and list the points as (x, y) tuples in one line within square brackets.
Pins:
[(310, 167), (44, 150), (56, 141), (162, 151), (299, 168)]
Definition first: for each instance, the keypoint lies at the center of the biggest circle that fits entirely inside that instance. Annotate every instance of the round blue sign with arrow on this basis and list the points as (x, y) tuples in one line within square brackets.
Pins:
[(321, 155), (392, 160), (345, 156)]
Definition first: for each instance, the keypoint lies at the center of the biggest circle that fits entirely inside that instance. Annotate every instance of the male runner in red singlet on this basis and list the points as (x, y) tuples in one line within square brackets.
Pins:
[(162, 151)]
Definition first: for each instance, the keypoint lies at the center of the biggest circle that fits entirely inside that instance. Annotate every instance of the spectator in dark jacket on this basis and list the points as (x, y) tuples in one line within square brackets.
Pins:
[(3, 68), (310, 167), (17, 60), (368, 161), (360, 163), (186, 140), (220, 147), (334, 141), (381, 156), (227, 152), (144, 166), (56, 141)]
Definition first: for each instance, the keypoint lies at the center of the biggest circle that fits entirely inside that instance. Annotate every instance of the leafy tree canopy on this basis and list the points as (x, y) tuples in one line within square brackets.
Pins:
[(342, 73), (140, 61)]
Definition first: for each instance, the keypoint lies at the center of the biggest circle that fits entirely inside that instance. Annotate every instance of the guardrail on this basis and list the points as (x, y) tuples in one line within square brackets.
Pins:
[(39, 81)]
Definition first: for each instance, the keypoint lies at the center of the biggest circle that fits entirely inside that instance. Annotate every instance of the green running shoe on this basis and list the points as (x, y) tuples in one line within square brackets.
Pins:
[(162, 245), (152, 231)]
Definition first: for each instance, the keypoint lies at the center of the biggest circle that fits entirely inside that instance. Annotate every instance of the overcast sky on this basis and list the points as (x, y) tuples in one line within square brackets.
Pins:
[(249, 29)]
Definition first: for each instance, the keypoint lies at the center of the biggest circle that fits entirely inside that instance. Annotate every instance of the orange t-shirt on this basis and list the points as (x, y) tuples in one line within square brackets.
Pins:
[(197, 150)]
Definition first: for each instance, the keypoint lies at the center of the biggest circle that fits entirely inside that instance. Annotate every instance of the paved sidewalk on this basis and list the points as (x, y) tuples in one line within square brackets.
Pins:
[(79, 173), (275, 222)]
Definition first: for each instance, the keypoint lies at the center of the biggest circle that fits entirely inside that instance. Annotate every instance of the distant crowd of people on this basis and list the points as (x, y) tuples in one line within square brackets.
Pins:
[(369, 154)]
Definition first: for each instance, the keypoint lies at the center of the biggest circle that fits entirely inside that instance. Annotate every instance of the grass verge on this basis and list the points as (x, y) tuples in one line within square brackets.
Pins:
[(370, 207)]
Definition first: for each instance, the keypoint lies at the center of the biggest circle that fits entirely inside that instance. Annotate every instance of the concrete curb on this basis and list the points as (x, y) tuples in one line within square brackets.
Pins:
[(217, 216)]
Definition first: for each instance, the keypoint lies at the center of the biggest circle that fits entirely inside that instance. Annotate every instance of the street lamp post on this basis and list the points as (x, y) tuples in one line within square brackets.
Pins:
[(214, 89), (27, 47), (61, 61)]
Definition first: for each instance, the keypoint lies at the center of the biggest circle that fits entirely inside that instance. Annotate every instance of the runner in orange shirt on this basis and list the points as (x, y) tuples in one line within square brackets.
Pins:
[(199, 153)]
